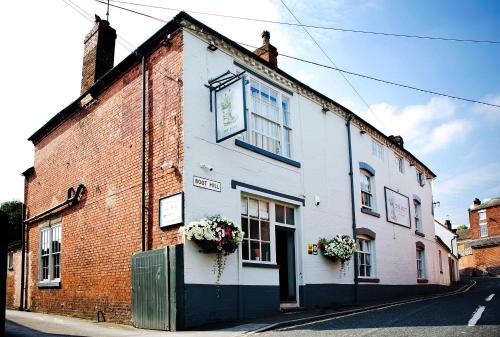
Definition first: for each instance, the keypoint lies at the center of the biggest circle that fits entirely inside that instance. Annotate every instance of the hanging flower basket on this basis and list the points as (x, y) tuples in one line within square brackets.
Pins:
[(215, 234), (339, 248)]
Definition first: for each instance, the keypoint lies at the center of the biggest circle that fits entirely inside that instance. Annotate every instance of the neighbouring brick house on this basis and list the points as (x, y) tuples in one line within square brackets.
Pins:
[(480, 245), (143, 151)]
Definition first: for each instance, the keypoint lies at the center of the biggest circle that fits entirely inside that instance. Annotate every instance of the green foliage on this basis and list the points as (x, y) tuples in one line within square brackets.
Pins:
[(13, 225), (462, 227)]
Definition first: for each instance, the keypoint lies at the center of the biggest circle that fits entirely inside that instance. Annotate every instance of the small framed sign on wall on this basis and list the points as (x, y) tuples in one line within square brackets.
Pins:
[(171, 210)]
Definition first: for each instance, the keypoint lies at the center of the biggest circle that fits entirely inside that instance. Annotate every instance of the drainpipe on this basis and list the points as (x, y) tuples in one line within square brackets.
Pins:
[(353, 210), (143, 167), (23, 249)]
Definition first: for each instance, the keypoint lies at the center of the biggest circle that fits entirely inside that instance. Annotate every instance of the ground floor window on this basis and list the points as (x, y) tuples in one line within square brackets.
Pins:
[(420, 264), (259, 217), (365, 257), (50, 252)]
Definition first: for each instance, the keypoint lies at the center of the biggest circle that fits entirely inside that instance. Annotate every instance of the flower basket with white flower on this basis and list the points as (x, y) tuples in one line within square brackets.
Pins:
[(215, 234), (339, 248)]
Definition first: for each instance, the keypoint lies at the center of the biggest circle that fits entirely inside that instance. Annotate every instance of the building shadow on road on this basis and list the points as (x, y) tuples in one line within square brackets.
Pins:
[(17, 330)]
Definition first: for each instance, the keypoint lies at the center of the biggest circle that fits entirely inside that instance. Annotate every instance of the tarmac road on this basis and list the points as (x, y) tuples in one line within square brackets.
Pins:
[(456, 315)]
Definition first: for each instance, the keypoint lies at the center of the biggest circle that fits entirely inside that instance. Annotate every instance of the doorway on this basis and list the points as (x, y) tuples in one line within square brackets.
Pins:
[(285, 258)]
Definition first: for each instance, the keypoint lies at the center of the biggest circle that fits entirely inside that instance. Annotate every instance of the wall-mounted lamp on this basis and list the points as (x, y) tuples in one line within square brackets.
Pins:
[(212, 47)]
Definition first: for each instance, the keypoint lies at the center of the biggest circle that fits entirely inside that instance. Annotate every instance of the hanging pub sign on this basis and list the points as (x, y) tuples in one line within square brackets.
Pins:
[(230, 105), (172, 210), (397, 208)]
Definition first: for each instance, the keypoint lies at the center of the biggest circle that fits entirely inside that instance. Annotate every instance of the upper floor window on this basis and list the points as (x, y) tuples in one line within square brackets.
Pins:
[(420, 264), (377, 149), (10, 261), (418, 215), (367, 198), (483, 225), (400, 164), (270, 126), (420, 178), (50, 253), (365, 257)]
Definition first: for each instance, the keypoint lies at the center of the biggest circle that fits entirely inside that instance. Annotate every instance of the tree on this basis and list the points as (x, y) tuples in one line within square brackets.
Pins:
[(462, 227), (14, 211)]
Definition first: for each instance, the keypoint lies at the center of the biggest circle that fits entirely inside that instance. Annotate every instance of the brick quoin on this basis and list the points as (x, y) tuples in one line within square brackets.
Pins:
[(100, 146)]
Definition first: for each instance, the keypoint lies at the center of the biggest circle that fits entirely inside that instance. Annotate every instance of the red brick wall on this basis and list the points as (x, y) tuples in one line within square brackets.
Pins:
[(493, 220), (487, 257), (101, 148), (13, 282)]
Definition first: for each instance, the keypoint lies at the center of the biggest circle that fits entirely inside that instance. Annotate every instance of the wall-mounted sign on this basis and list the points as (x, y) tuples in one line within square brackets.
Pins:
[(172, 210), (207, 184), (230, 110), (397, 208)]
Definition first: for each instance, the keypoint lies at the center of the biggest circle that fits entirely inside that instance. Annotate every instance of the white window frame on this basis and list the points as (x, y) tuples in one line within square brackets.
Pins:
[(400, 164), (47, 233), (10, 260), (248, 136), (483, 223), (417, 208), (272, 226), (370, 252), (421, 178), (420, 257), (370, 192), (440, 261), (377, 149)]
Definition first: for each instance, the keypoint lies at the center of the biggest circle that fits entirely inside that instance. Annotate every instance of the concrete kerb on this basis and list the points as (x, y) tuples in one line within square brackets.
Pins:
[(318, 318)]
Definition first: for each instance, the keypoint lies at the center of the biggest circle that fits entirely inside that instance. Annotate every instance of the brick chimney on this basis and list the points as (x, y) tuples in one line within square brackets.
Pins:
[(447, 223), (99, 52), (268, 52), (398, 140), (476, 202)]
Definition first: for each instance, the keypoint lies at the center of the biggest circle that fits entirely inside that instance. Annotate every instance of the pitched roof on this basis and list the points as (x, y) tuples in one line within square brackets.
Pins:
[(487, 204), (155, 41)]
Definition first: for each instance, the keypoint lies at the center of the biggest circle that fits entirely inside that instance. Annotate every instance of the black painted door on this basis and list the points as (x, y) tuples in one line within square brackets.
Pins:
[(285, 258)]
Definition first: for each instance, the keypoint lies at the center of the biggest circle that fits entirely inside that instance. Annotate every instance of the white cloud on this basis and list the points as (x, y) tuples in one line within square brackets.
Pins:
[(491, 113), (446, 134)]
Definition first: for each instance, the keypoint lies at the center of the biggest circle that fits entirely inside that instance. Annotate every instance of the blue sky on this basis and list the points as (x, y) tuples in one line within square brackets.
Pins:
[(459, 141)]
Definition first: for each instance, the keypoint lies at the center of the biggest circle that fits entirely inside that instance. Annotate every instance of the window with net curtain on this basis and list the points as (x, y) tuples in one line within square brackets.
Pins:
[(269, 126), (366, 183)]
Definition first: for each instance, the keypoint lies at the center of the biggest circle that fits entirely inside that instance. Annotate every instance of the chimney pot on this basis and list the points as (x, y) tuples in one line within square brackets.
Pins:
[(476, 202), (98, 54), (447, 223), (267, 52), (398, 140)]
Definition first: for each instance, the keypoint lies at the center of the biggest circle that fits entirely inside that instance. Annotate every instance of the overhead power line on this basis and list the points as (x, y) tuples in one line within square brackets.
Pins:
[(337, 69), (339, 29), (333, 63)]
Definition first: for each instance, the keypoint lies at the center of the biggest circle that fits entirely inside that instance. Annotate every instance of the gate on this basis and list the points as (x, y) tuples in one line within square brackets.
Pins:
[(154, 283)]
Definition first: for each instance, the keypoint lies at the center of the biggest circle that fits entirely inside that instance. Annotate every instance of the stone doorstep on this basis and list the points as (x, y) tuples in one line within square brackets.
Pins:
[(309, 319)]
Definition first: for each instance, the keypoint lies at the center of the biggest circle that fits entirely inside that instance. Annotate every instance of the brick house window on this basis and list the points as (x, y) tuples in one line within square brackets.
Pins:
[(50, 253), (483, 225), (270, 126), (10, 261), (420, 264)]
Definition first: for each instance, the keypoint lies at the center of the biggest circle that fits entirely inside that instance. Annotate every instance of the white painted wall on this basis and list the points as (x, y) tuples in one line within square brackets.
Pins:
[(446, 235), (320, 145)]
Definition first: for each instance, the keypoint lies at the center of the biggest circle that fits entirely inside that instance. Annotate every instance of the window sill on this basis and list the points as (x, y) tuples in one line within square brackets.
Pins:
[(261, 265), (370, 212), (49, 284), (268, 154), (368, 280), (422, 280), (419, 233)]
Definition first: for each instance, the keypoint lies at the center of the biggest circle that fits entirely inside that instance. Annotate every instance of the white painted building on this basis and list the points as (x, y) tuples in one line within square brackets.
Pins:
[(287, 177)]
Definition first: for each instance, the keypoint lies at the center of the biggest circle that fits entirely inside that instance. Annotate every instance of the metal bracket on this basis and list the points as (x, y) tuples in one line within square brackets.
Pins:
[(222, 81)]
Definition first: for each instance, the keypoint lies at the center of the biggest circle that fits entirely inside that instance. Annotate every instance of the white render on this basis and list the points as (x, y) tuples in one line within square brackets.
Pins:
[(320, 145)]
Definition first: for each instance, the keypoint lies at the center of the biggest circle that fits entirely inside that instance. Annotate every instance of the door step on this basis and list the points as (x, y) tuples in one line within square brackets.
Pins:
[(290, 309)]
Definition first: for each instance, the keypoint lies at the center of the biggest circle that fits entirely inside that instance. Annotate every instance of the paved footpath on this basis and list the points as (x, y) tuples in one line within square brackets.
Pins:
[(469, 314)]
